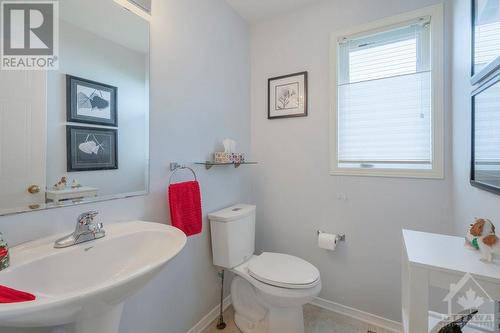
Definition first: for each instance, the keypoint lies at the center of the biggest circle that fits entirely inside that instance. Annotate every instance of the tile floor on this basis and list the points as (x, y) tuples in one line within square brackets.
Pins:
[(317, 320)]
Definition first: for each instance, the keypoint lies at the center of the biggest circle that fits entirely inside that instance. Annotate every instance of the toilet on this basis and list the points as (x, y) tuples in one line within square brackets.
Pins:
[(269, 289)]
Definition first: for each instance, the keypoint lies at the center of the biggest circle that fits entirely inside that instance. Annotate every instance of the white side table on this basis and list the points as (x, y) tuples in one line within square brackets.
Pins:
[(438, 260)]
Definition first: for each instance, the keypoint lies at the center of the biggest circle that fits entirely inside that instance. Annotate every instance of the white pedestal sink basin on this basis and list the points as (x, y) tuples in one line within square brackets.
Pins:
[(84, 286)]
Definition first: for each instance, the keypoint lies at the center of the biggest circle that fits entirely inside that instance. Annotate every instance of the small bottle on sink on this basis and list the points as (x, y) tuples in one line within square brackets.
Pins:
[(4, 254)]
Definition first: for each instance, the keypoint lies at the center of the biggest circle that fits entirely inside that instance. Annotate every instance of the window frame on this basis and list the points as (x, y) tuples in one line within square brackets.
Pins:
[(437, 95)]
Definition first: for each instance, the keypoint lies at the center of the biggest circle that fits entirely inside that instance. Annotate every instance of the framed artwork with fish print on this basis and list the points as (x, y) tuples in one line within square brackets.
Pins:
[(91, 148), (91, 102), (287, 96)]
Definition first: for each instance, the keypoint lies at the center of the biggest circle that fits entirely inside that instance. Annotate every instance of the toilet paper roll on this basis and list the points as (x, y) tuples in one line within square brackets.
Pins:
[(327, 241)]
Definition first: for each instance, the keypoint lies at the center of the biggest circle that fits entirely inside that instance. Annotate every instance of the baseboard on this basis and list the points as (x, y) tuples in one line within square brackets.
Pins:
[(210, 317), (369, 318), (366, 317)]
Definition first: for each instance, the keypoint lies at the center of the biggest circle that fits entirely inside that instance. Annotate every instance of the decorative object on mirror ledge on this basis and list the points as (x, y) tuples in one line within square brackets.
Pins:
[(75, 184), (91, 102), (61, 184), (91, 148), (287, 96), (481, 236)]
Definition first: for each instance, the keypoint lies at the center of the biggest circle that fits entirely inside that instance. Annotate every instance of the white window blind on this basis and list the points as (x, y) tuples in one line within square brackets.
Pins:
[(384, 108)]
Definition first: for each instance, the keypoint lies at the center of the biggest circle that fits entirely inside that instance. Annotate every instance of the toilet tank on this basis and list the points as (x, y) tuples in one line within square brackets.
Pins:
[(233, 235)]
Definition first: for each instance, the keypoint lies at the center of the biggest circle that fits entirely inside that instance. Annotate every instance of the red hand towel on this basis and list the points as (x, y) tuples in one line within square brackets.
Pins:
[(185, 206), (8, 295)]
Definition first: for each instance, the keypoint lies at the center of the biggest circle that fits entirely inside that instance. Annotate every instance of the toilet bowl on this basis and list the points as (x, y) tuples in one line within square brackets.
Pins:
[(269, 289)]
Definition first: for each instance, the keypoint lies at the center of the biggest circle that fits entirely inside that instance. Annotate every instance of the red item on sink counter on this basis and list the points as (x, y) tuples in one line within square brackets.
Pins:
[(9, 295)]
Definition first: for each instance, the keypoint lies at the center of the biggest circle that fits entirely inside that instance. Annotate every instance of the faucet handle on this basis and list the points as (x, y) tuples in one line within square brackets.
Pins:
[(87, 217), (96, 227)]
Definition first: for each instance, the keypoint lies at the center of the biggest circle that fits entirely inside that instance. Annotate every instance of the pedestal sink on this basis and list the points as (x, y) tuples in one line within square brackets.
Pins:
[(85, 286)]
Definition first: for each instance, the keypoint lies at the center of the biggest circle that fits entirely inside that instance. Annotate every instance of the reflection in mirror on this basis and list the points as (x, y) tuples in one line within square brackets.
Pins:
[(486, 137), (486, 39), (79, 133)]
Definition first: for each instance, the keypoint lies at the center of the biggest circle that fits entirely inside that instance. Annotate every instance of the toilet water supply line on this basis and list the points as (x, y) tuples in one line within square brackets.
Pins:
[(220, 323)]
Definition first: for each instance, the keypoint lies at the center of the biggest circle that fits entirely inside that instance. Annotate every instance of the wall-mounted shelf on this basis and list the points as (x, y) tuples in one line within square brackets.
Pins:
[(208, 164)]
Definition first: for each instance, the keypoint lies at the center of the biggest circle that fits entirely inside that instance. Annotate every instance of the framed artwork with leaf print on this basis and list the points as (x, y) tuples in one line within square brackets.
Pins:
[(287, 96)]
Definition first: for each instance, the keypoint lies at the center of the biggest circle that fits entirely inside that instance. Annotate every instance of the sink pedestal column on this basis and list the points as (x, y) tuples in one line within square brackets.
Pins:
[(108, 321)]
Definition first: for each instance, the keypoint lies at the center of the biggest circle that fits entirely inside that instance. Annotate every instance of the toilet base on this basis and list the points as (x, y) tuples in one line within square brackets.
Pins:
[(255, 314), (289, 320)]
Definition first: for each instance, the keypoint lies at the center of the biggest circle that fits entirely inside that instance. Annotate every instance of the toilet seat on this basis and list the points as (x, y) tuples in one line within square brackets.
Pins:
[(283, 270)]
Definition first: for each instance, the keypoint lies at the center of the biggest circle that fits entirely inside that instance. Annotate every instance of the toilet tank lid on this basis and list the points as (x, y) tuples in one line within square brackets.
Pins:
[(232, 213)]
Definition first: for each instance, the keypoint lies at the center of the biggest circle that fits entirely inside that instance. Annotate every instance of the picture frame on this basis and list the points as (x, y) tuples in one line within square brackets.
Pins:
[(91, 148), (287, 96), (485, 153), (91, 102), (482, 11)]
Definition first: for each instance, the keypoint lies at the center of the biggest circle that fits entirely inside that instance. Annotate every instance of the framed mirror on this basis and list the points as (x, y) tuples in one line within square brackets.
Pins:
[(79, 133), (485, 38), (485, 161)]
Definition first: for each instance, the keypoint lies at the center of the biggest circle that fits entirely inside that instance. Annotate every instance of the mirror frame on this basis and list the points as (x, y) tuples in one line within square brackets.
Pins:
[(484, 186)]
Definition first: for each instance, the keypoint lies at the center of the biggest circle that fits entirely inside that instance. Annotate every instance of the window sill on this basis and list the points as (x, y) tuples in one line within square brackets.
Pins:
[(388, 173)]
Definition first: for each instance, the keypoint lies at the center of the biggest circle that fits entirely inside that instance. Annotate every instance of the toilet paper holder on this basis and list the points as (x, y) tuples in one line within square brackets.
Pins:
[(340, 237)]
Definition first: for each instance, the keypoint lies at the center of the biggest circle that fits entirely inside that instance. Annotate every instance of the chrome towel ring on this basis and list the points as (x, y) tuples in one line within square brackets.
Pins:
[(183, 167)]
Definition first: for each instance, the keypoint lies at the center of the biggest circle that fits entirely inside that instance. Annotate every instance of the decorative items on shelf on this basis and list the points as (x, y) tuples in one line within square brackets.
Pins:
[(481, 236), (222, 157), (229, 155), (61, 184)]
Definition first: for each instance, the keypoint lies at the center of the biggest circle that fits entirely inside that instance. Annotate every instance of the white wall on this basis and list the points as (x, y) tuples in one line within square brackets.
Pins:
[(294, 192), (469, 201), (199, 95), (92, 57)]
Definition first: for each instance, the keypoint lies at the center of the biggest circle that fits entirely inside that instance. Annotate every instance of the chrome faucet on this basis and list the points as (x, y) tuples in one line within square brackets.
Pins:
[(86, 230)]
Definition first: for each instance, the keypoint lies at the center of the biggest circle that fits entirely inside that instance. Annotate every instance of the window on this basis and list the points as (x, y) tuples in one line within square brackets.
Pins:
[(388, 95)]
